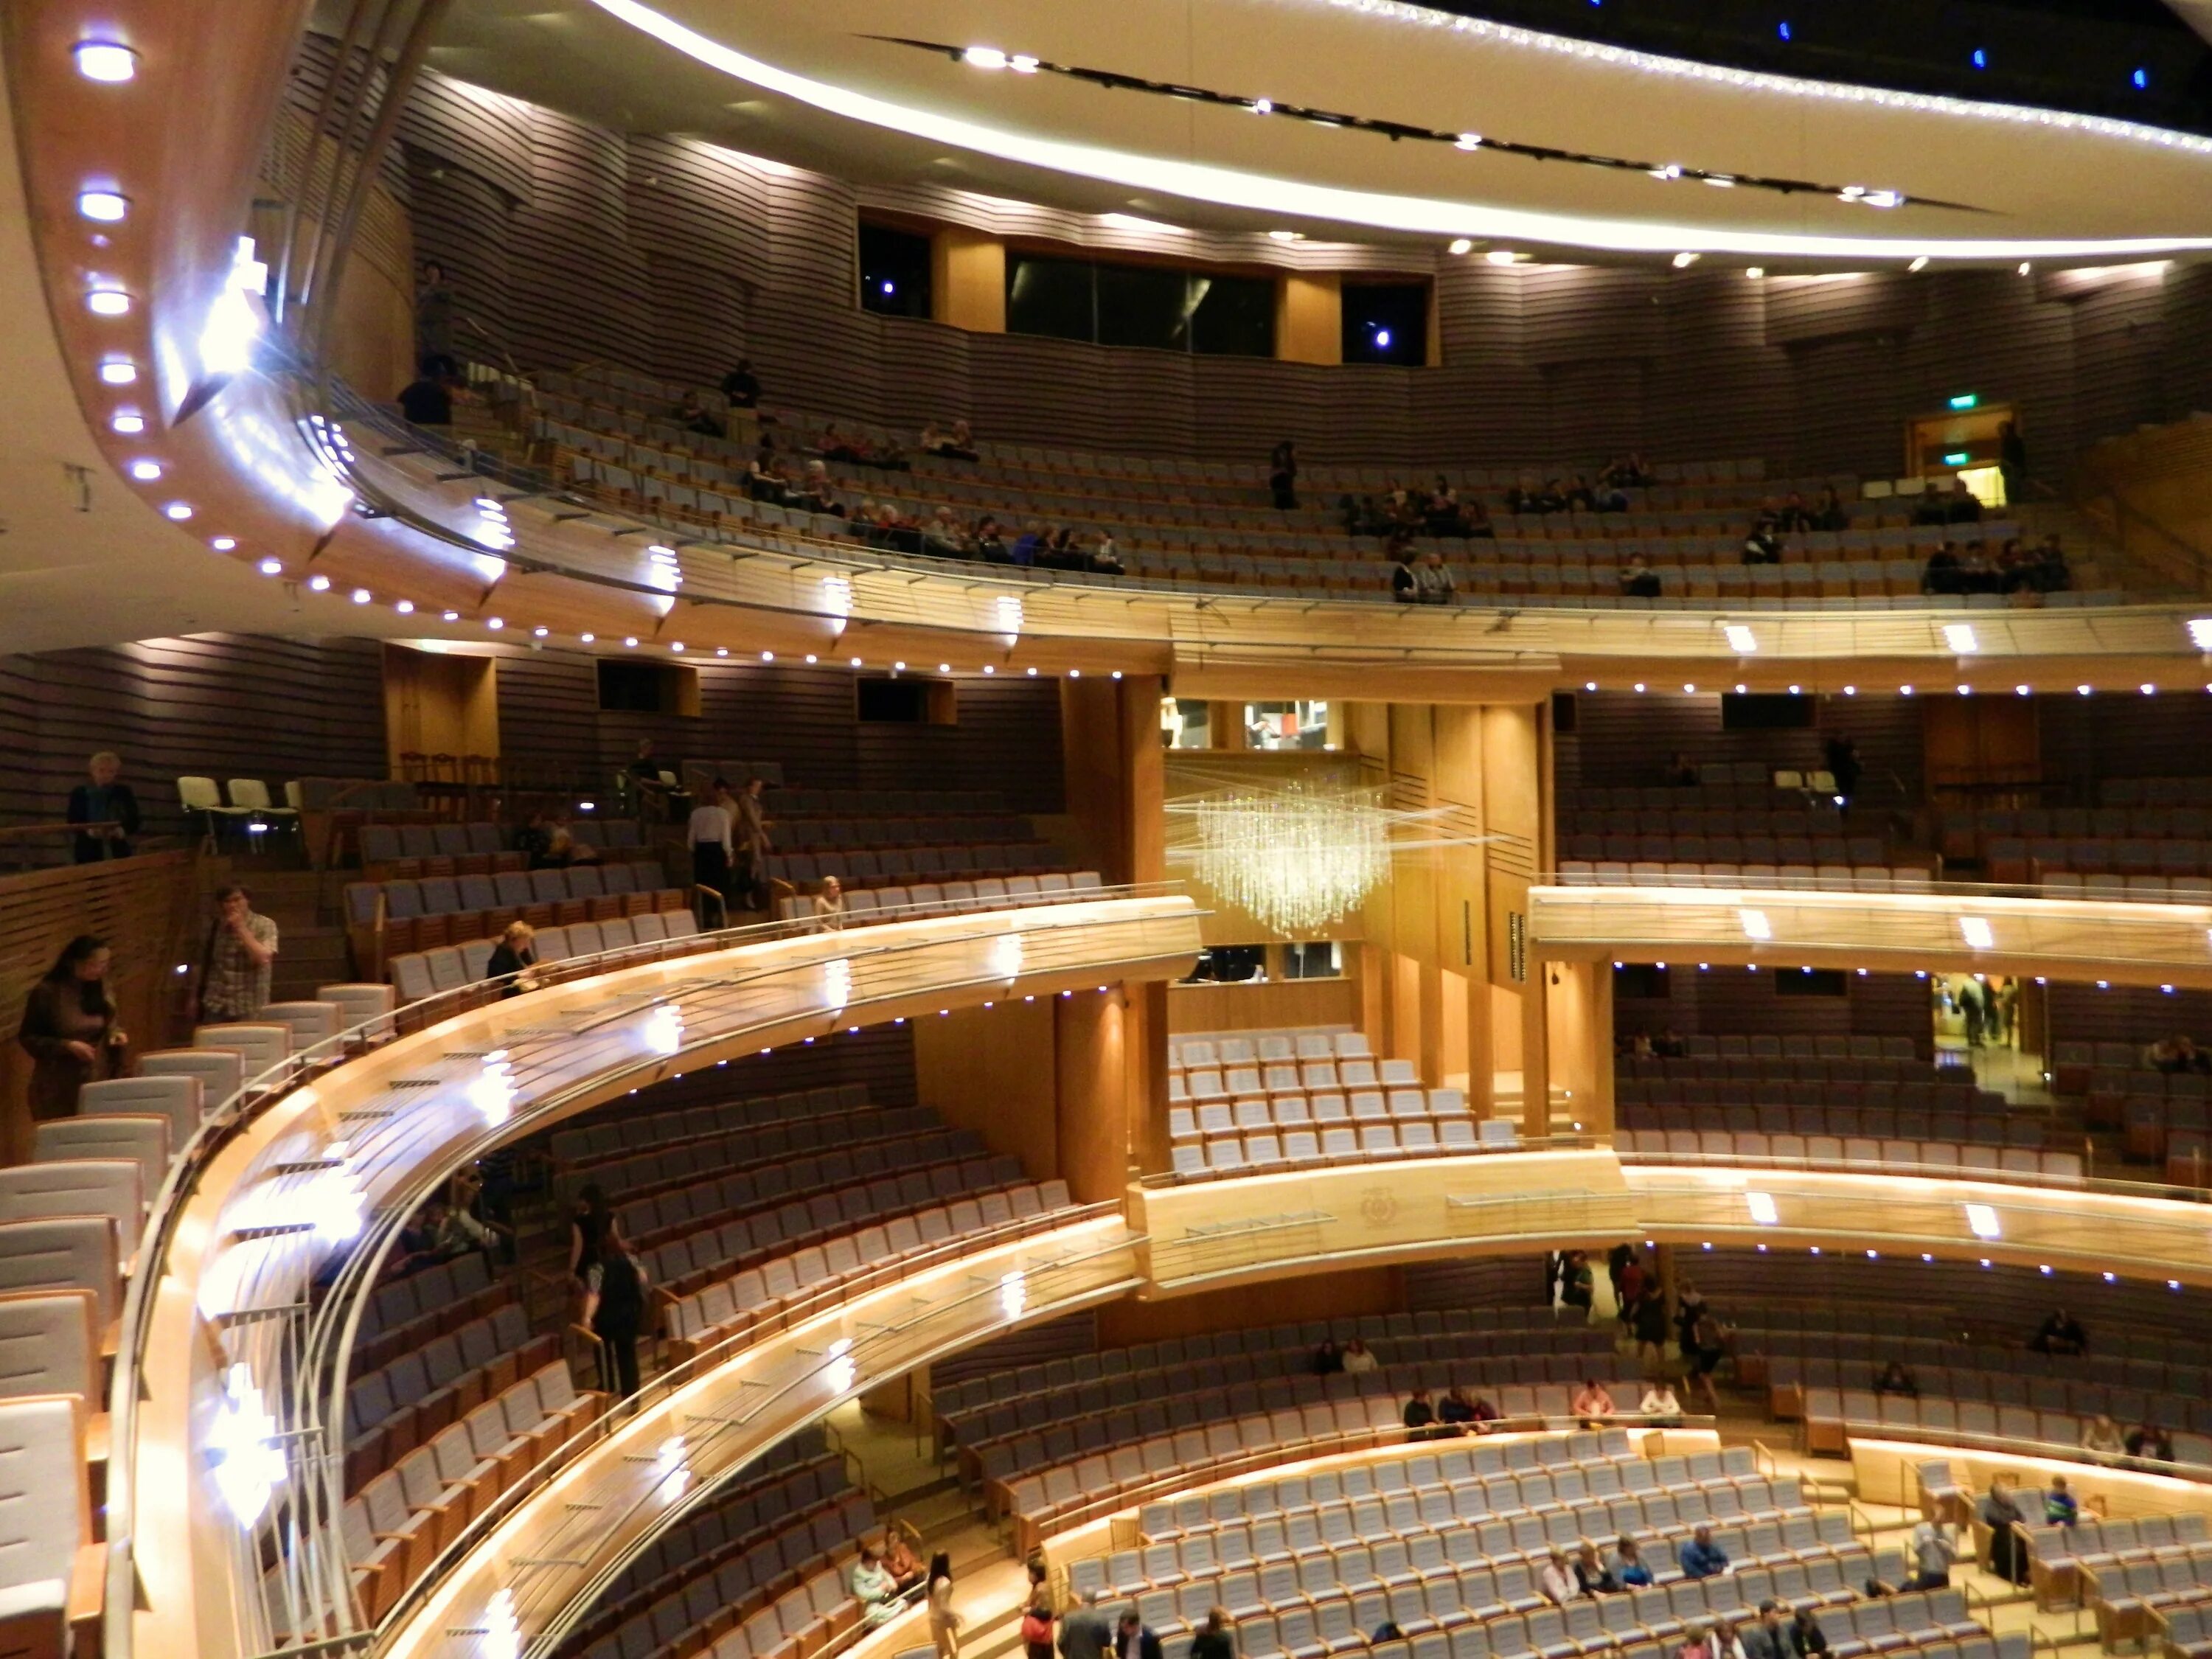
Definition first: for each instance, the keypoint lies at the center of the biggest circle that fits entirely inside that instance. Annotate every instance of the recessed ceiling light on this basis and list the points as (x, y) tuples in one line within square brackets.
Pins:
[(405, 607), (360, 596), (119, 371), (145, 471), (1684, 261), (1755, 272), (104, 60), (128, 424), (105, 206), (271, 567), (108, 302), (1468, 140), (1499, 255), (224, 543), (320, 583), (177, 511), (1287, 236), (1459, 245), (449, 615), (989, 57)]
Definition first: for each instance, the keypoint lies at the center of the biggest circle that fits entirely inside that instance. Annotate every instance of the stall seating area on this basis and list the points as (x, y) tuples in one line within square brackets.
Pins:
[(761, 1572), (1241, 1102), (1739, 824), (1206, 524), (423, 915), (2145, 830), (2122, 1568), (2177, 1625), (1216, 1432), (1837, 877), (2163, 1118), (1169, 1385), (419, 974), (409, 852), (1447, 1546)]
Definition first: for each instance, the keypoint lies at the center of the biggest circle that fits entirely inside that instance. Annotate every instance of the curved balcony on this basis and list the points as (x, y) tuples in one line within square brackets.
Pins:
[(352, 531), (229, 1368), (1960, 928)]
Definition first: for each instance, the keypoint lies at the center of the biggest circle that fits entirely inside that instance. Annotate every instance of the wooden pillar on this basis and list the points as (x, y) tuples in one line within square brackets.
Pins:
[(1117, 776), (1482, 1048), (968, 280), (1580, 1027), (1430, 986), (1596, 1113), (1535, 1052), (1102, 1102)]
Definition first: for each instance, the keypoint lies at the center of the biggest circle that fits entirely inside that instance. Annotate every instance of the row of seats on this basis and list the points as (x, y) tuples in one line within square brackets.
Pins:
[(420, 974), (402, 1404), (422, 1302), (1832, 1416), (1838, 877), (950, 898), (760, 1299), (1932, 1337), (2155, 871), (2164, 822), (1321, 1145), (1019, 1381), (849, 832), (631, 1152), (891, 866), (1801, 817), (1750, 846), (1940, 1158), (1069, 1423), (434, 910), (395, 1526), (1720, 784)]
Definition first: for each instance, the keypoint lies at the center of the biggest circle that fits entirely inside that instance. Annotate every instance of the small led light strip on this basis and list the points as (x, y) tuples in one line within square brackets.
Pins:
[(988, 57)]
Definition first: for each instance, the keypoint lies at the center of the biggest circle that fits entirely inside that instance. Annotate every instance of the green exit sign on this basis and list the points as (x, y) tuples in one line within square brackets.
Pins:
[(1957, 458), (1967, 400)]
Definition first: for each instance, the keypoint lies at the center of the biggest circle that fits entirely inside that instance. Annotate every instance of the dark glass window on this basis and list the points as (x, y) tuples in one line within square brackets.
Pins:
[(1386, 323), (894, 271), (1151, 305), (1645, 980), (1811, 982)]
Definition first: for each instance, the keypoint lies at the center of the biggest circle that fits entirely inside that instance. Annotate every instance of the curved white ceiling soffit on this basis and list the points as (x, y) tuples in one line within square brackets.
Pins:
[(2029, 185)]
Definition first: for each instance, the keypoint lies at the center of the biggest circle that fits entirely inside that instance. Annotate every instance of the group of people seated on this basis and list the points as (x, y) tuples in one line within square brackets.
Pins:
[(1789, 517), (1439, 1419), (884, 1576), (2177, 1053), (941, 536), (1572, 495), (2019, 567), (1640, 1044), (1956, 505), (456, 1219), (2146, 1443), (1397, 511), (1422, 581)]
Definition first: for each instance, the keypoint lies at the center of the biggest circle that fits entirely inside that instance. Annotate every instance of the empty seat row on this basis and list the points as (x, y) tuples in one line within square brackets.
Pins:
[(1234, 1154), (1924, 1157), (1836, 877), (411, 1397), (1286, 1076), (902, 866), (1191, 1116), (596, 1138)]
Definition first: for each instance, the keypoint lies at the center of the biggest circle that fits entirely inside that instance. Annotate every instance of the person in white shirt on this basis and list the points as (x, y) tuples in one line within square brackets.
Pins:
[(827, 905), (713, 847), (1359, 1359), (1556, 1582), (873, 1588), (1660, 1403)]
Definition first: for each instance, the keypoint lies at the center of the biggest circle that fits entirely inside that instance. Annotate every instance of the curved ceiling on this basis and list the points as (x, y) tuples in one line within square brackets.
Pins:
[(829, 85)]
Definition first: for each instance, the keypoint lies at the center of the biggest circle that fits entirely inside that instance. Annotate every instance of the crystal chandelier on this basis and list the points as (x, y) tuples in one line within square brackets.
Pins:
[(1296, 858)]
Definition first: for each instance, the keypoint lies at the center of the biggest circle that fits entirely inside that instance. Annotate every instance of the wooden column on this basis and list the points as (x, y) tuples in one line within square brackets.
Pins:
[(1101, 1100), (1117, 776), (1535, 1053)]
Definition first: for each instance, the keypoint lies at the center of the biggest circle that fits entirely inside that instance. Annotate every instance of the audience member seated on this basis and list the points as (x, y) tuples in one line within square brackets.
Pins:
[(2176, 1055), (1557, 1581), (1956, 505), (1638, 579), (1807, 1638), (697, 417), (1359, 1359), (2060, 1508), (1420, 1413), (1328, 1358), (1592, 1576), (1592, 1403), (1628, 1564), (2060, 1334), (1659, 1405), (428, 400), (1896, 1379), (1943, 572), (2101, 1436), (1763, 544), (1701, 1557), (2149, 1443)]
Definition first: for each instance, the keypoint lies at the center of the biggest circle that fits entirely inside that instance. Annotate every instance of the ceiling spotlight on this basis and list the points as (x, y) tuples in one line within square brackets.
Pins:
[(405, 607), (1021, 64), (223, 544), (177, 512), (1718, 180), (145, 471), (1920, 263), (128, 424), (1468, 140), (1755, 272), (1684, 261), (1459, 245), (1499, 255), (104, 207), (2025, 267), (104, 60), (631, 640), (361, 596), (1287, 236), (987, 57), (320, 583), (449, 615), (271, 567), (1671, 172), (1263, 107), (108, 302), (119, 371)]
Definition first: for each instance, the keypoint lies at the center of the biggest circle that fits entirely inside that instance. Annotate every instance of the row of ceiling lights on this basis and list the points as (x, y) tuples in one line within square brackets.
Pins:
[(2147, 689)]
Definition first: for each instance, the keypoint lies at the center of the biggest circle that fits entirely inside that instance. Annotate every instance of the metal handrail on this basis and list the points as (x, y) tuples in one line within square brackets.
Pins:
[(2013, 1446), (2083, 1183), (224, 1120), (1794, 885)]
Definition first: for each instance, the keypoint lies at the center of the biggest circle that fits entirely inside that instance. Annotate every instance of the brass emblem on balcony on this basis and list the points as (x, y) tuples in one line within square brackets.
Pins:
[(1378, 1207)]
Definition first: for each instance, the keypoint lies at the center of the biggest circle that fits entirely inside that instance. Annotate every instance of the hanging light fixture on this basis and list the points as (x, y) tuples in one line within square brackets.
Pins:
[(1297, 857)]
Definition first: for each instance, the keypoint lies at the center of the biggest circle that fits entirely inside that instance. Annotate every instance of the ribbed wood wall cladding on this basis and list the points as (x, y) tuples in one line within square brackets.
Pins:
[(1734, 1001), (574, 244), (880, 1057), (2136, 1014), (2086, 739), (1624, 739), (1006, 739), (213, 705), (1492, 1282)]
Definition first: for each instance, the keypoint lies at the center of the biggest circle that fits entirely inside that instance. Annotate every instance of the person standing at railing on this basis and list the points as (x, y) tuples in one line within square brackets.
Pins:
[(70, 1031), (713, 849), (614, 1312), (106, 801), (235, 963)]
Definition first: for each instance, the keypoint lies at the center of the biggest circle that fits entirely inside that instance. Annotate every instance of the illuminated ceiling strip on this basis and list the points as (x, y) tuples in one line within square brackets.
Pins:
[(1667, 172), (1790, 86), (1227, 187)]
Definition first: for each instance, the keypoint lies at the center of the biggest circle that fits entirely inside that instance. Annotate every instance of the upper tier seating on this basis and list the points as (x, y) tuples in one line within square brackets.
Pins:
[(1258, 1100), (1207, 524)]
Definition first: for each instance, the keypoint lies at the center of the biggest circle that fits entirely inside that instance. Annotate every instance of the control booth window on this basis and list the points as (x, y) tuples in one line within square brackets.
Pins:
[(1185, 723), (1164, 307), (1301, 725), (894, 271), (1386, 323), (1230, 964), (1320, 958)]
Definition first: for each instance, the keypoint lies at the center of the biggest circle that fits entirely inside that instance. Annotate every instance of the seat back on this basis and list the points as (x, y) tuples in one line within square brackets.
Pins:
[(49, 1344), (250, 792), (63, 1252), (140, 1139), (309, 1023), (260, 1044), (360, 1004), (110, 1186), (46, 1502), (180, 1099), (198, 794), (219, 1071)]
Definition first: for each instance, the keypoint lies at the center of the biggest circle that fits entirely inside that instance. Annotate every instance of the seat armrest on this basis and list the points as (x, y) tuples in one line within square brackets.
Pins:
[(87, 1588)]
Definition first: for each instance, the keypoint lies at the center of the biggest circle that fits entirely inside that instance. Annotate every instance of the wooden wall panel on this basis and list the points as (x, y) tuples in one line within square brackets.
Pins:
[(213, 705), (2135, 1014), (2086, 740), (1490, 1282), (577, 280), (1734, 1001)]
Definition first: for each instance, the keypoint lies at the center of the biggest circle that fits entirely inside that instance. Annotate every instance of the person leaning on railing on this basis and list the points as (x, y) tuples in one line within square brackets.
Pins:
[(106, 810)]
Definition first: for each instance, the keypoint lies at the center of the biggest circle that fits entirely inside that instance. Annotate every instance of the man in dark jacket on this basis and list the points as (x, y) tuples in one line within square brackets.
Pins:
[(1134, 1640), (1085, 1634)]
